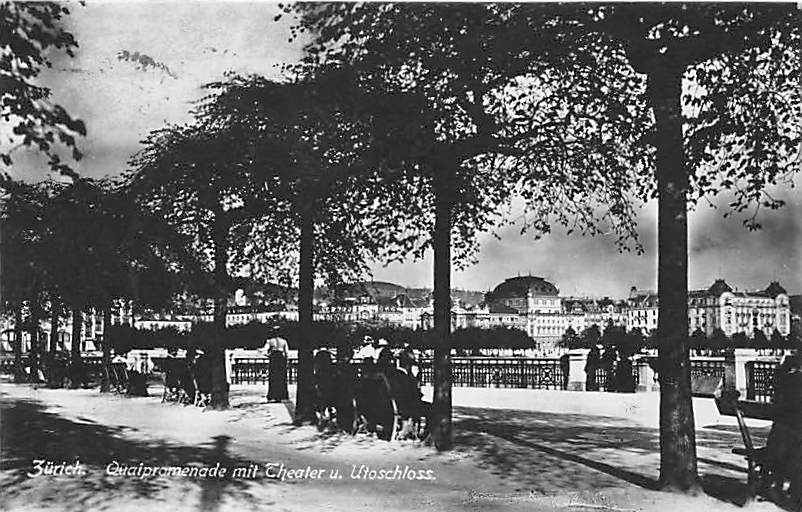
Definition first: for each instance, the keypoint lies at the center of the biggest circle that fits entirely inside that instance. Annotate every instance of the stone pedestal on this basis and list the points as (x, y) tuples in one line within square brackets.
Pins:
[(576, 369), (646, 376), (741, 357)]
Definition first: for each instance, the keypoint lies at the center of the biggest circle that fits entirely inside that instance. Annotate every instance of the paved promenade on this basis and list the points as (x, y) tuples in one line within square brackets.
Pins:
[(517, 450)]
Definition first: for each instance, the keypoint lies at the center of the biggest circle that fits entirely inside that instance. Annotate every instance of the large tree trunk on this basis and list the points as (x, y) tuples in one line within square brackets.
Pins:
[(105, 378), (19, 367), (304, 399), (217, 357), (442, 430), (53, 371), (677, 436), (34, 358), (76, 364)]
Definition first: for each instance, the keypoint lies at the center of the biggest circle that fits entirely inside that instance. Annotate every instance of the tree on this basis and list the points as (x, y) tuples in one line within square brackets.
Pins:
[(777, 340), (324, 204), (739, 340), (23, 257), (759, 339), (718, 340), (702, 139), (698, 339), (101, 249), (722, 82), (30, 31), (613, 336), (569, 338), (591, 336), (196, 178), (481, 125)]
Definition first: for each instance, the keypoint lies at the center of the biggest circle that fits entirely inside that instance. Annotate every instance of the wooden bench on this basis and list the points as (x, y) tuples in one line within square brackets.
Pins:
[(762, 478), (757, 470)]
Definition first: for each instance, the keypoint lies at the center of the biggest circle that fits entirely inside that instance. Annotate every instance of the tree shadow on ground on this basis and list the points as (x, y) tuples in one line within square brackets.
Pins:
[(555, 453), (29, 431)]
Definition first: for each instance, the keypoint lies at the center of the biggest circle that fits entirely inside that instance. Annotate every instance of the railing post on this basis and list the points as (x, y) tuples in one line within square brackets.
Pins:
[(577, 378), (742, 357), (749, 371), (730, 378)]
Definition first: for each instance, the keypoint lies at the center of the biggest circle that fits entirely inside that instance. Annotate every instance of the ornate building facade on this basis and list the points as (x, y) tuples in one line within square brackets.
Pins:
[(719, 307)]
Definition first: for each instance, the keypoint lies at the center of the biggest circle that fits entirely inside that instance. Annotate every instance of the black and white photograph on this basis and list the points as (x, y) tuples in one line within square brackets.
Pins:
[(374, 256)]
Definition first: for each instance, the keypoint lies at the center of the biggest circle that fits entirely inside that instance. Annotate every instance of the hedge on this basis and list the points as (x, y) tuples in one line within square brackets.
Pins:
[(324, 334)]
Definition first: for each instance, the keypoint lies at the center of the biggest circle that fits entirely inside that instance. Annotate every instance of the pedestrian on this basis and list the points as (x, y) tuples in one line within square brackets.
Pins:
[(784, 443), (277, 352), (384, 356), (408, 361), (592, 364), (138, 368), (610, 363)]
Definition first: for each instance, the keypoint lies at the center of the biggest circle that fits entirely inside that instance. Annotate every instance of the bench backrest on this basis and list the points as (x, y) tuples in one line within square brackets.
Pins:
[(739, 415)]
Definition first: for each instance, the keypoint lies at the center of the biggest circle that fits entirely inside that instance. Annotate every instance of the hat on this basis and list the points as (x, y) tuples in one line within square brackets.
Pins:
[(383, 342)]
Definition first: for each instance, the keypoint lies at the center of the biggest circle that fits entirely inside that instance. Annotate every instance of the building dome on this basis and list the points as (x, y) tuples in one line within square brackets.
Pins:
[(522, 286)]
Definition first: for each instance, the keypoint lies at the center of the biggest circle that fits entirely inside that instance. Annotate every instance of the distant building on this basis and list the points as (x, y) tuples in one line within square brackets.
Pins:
[(376, 301), (641, 310), (719, 306), (531, 304)]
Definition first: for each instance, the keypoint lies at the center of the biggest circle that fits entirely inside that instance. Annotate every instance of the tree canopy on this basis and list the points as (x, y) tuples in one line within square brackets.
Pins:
[(30, 31)]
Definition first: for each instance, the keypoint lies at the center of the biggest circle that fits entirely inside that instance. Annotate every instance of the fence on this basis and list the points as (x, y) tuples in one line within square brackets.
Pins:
[(502, 372), (255, 370), (508, 372), (715, 368), (760, 380)]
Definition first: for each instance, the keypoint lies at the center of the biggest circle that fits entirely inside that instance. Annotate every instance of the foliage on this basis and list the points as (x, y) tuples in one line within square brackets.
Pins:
[(143, 62), (197, 181), (125, 338), (483, 113), (31, 30), (24, 245), (569, 339), (101, 248), (496, 337), (591, 336), (307, 141), (740, 97), (340, 335)]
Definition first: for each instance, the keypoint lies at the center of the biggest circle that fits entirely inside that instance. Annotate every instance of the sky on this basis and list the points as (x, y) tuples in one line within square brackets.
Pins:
[(199, 41)]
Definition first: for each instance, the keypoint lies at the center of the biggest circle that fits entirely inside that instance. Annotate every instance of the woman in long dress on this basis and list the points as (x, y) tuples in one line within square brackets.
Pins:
[(277, 350)]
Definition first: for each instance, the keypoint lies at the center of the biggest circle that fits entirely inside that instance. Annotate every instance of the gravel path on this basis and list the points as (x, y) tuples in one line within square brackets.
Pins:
[(517, 450)]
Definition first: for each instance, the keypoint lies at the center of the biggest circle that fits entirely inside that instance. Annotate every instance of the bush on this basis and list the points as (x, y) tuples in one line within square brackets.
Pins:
[(324, 334), (124, 338)]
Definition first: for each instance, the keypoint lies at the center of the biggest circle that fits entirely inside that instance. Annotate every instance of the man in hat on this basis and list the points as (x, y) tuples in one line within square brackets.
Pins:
[(366, 351), (383, 355)]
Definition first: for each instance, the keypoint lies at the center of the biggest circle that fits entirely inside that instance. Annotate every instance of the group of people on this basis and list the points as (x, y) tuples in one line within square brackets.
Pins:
[(379, 353), (188, 380), (618, 370), (372, 388)]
